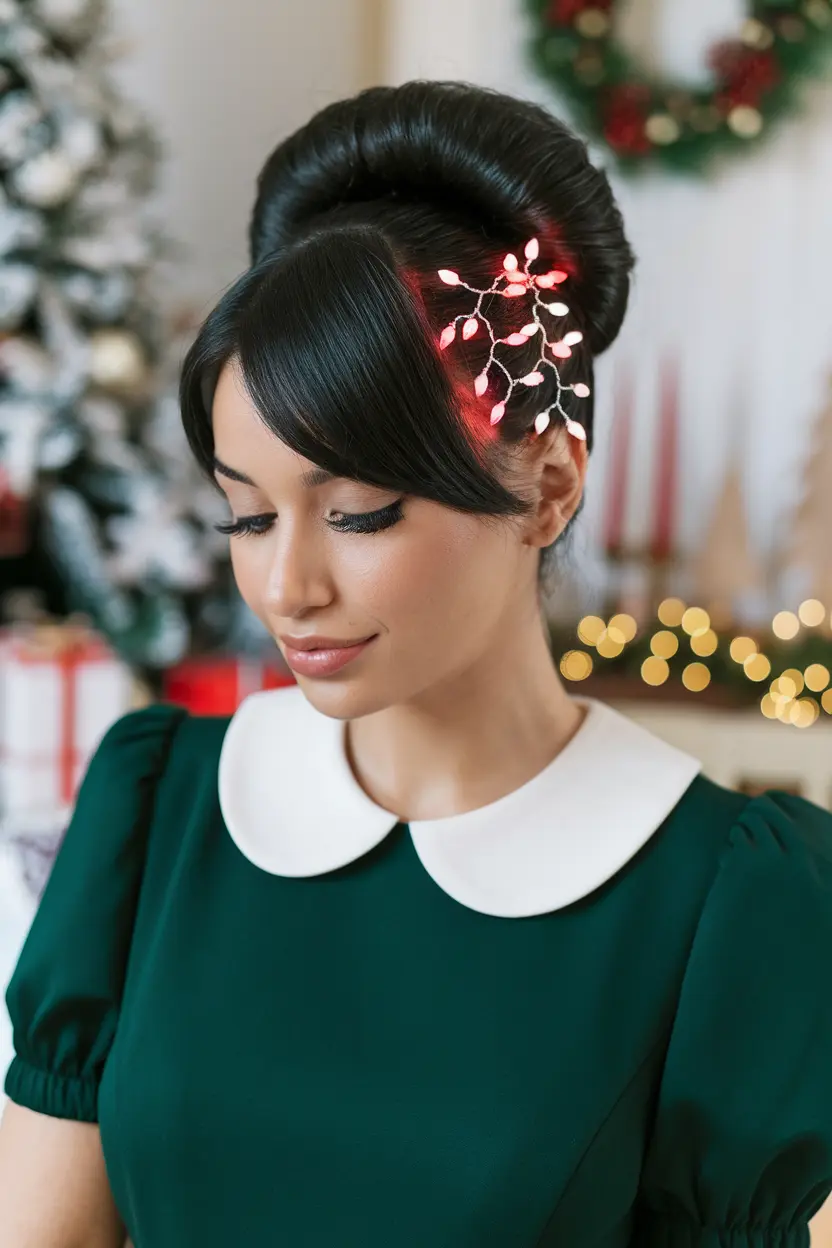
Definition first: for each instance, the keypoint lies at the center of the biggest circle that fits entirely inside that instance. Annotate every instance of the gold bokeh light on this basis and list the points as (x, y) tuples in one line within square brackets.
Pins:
[(742, 648), (796, 677), (704, 643), (576, 665), (696, 621), (803, 713), (757, 667), (622, 628), (817, 677), (696, 677), (671, 611), (812, 612), (768, 706), (664, 644), (785, 625), (655, 670), (590, 629), (607, 646)]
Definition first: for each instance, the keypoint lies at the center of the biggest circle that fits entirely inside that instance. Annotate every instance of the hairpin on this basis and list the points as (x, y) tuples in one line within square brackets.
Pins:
[(511, 283)]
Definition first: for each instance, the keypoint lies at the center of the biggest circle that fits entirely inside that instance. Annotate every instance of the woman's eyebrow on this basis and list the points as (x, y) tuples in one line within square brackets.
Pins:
[(309, 479)]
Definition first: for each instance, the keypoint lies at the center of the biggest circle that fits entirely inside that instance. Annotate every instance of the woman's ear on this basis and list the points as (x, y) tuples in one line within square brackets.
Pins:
[(558, 462)]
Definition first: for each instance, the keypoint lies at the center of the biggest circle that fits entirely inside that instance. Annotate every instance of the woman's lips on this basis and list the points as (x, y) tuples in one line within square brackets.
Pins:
[(323, 661)]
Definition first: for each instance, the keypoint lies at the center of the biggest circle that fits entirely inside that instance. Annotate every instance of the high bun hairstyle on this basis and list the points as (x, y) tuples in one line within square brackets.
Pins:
[(336, 324)]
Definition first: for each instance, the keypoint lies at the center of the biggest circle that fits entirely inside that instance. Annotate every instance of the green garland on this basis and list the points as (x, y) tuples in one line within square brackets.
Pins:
[(729, 679), (648, 121)]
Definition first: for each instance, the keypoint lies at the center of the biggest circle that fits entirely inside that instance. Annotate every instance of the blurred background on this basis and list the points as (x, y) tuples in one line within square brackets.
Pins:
[(697, 592)]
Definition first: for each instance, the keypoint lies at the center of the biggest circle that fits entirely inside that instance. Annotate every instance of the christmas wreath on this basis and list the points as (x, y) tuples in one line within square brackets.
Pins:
[(647, 120)]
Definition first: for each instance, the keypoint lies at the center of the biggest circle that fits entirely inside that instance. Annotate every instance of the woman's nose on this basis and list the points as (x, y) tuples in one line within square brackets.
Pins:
[(298, 578)]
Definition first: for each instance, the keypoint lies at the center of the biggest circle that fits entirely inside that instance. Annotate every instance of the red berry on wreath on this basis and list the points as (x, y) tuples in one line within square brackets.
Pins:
[(624, 118), (564, 12)]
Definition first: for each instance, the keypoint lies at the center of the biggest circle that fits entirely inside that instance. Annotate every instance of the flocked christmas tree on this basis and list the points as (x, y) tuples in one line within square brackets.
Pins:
[(101, 508)]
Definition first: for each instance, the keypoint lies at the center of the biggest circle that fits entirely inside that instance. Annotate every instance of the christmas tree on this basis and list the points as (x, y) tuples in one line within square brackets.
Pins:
[(811, 539), (101, 509), (727, 567)]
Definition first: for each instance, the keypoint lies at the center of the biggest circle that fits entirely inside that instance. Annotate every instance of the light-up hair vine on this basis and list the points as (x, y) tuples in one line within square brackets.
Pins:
[(511, 283)]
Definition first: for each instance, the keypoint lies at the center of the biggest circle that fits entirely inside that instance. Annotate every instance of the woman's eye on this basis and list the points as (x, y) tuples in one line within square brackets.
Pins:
[(246, 525), (341, 521), (367, 521)]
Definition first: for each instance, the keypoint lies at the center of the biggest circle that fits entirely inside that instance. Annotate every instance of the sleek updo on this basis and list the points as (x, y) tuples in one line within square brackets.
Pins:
[(335, 326)]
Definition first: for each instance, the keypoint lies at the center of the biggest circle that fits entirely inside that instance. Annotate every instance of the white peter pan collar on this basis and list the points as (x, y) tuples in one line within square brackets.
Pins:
[(293, 807)]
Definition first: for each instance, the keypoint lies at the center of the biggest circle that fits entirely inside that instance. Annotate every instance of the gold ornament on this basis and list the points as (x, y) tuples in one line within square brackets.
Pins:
[(818, 12), (756, 34), (745, 121), (662, 129), (592, 24), (117, 360)]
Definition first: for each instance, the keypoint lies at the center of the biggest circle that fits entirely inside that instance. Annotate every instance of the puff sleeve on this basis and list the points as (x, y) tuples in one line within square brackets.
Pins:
[(64, 994), (741, 1150)]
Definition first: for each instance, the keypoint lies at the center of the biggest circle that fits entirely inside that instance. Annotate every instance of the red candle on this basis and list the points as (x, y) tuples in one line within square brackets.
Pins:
[(619, 467), (667, 467)]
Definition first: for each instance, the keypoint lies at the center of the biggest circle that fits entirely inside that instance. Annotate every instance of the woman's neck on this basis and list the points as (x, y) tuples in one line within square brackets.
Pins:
[(471, 740)]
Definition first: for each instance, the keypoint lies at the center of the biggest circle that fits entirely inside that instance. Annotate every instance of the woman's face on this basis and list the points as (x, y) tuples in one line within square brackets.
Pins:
[(433, 589)]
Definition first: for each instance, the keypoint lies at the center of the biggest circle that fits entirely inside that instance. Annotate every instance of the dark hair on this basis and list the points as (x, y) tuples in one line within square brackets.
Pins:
[(335, 325)]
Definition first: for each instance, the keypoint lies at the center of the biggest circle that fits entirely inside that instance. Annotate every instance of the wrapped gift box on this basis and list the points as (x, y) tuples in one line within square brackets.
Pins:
[(61, 688), (217, 685)]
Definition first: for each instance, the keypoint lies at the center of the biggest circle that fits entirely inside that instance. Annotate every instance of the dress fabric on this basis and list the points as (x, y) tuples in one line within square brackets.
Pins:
[(354, 1058)]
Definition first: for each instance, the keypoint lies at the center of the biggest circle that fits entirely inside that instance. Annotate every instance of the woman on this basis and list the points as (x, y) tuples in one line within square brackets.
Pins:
[(423, 951)]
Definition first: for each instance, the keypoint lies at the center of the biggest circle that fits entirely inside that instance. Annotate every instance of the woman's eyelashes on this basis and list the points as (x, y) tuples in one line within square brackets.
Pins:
[(341, 521)]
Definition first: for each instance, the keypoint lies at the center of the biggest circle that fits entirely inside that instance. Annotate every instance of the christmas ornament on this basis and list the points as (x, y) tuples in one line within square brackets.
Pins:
[(513, 283), (757, 76), (117, 361), (46, 181)]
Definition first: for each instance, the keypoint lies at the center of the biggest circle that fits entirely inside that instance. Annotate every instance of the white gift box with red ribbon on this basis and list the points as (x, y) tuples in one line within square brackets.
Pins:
[(61, 688)]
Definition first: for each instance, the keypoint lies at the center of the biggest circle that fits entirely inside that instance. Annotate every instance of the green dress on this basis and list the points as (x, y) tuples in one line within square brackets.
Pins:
[(596, 1013)]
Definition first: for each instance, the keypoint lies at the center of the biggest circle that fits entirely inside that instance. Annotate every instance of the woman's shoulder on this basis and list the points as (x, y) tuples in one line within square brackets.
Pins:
[(726, 822)]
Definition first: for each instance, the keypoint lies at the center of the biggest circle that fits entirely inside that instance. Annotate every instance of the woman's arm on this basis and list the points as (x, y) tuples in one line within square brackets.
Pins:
[(821, 1226), (54, 1191)]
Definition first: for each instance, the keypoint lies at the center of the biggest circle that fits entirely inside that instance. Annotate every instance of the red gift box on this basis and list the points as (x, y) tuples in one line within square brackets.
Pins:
[(217, 686)]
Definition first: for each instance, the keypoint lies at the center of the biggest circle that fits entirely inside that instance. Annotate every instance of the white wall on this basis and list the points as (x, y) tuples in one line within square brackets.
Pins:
[(734, 275), (225, 80)]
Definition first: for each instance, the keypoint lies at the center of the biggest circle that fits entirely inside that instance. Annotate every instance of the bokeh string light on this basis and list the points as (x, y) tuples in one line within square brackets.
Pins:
[(797, 693)]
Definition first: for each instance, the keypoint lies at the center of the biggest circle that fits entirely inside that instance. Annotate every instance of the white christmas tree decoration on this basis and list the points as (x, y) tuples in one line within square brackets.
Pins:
[(811, 538), (727, 567)]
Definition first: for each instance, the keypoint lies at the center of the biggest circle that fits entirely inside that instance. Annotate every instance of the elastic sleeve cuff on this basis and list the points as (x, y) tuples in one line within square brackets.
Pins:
[(658, 1231), (58, 1096)]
